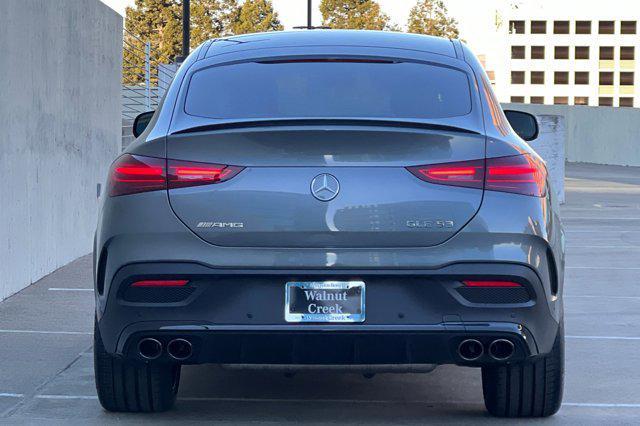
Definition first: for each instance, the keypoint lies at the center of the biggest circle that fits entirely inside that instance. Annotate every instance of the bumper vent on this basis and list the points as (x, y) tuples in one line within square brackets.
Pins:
[(489, 295), (157, 295)]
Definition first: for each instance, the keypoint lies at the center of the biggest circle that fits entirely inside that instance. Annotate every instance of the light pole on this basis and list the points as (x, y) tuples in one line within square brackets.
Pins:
[(186, 27), (309, 13)]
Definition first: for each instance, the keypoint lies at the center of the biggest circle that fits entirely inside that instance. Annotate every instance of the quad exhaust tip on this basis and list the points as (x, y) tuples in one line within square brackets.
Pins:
[(150, 348), (501, 349), (179, 349), (470, 349)]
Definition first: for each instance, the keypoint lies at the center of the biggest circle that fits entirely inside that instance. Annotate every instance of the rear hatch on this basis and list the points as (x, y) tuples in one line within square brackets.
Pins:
[(325, 153)]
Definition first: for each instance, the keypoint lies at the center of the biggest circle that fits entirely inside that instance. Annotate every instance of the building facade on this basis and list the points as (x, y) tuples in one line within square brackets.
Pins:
[(551, 54)]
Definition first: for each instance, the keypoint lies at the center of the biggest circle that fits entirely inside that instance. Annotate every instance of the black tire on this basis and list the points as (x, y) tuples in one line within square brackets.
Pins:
[(526, 389), (131, 386)]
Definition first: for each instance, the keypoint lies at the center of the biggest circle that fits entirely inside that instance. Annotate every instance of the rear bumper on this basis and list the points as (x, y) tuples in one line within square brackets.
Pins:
[(413, 316)]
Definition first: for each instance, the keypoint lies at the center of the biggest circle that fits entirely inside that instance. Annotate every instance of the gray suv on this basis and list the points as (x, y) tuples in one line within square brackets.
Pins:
[(319, 199)]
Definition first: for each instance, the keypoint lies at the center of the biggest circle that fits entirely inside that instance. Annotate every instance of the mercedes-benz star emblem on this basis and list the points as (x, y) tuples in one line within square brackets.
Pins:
[(325, 187)]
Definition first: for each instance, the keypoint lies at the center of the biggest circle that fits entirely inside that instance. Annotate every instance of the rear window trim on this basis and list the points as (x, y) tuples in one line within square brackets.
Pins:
[(471, 81)]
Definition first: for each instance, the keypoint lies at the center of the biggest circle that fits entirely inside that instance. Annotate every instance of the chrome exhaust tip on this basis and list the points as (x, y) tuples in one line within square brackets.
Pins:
[(501, 349), (470, 349), (150, 348), (179, 349)]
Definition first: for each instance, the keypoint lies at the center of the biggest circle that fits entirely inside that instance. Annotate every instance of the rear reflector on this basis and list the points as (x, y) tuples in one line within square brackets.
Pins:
[(160, 283), (519, 174), (132, 174), (494, 284)]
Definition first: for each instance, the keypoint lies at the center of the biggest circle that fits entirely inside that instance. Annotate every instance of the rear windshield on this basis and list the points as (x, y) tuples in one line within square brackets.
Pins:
[(306, 89)]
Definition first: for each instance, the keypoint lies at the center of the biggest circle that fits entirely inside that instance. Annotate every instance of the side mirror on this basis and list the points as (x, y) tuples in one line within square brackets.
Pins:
[(524, 124), (141, 122)]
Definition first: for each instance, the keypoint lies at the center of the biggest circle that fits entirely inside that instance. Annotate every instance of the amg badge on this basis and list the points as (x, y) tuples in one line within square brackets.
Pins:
[(220, 225)]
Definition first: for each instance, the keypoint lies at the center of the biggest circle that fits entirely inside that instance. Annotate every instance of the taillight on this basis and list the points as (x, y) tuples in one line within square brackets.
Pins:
[(132, 174), (469, 174), (520, 174), (186, 173)]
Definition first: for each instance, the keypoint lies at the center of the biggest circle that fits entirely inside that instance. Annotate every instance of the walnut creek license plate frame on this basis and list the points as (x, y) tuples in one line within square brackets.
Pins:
[(325, 301)]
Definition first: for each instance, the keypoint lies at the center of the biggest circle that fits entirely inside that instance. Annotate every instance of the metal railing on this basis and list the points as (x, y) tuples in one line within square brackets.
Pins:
[(144, 77)]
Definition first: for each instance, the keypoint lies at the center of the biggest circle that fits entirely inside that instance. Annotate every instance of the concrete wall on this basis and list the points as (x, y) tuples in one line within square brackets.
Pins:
[(60, 125), (600, 135)]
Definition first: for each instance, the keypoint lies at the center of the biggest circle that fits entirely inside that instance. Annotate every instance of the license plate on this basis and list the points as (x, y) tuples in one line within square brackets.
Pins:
[(324, 301)]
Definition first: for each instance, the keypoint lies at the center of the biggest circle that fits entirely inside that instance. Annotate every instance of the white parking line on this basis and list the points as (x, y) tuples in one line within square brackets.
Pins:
[(70, 289), (46, 332), (599, 230), (11, 395), (602, 297), (66, 397), (612, 268), (598, 218), (598, 405), (620, 247), (603, 337)]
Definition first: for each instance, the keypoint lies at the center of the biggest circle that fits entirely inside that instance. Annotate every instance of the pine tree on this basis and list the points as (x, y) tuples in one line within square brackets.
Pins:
[(430, 17), (257, 16), (159, 22), (211, 19), (354, 14)]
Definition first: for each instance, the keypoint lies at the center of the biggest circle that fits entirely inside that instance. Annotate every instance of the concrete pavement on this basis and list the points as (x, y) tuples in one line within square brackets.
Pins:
[(46, 373)]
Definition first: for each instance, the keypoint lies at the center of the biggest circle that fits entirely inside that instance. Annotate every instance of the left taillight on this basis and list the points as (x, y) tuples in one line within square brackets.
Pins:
[(132, 174)]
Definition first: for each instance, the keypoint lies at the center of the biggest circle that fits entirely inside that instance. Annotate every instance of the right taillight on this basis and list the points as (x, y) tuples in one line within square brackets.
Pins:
[(519, 174), (133, 174)]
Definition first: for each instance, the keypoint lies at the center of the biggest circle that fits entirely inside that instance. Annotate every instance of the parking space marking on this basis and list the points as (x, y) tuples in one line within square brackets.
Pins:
[(599, 230), (620, 247), (92, 397), (46, 332), (11, 395), (613, 268), (599, 405), (70, 289), (603, 337), (598, 218), (602, 297)]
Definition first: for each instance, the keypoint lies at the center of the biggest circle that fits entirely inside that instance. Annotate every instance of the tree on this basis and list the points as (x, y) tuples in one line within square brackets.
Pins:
[(211, 19), (159, 22), (430, 17), (354, 14), (256, 16)]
